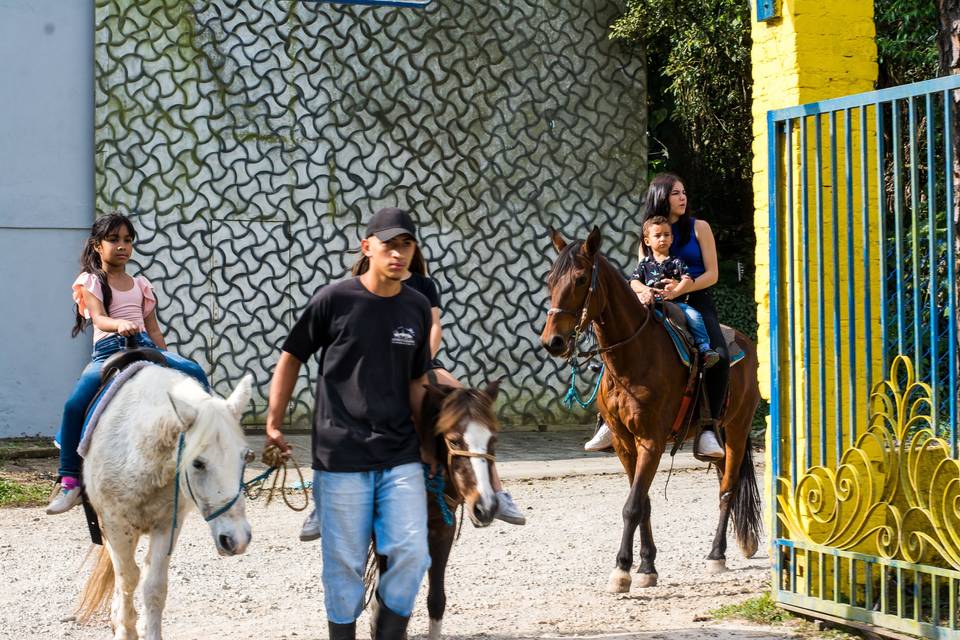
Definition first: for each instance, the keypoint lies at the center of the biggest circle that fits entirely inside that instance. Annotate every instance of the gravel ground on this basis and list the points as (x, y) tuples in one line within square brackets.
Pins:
[(543, 580)]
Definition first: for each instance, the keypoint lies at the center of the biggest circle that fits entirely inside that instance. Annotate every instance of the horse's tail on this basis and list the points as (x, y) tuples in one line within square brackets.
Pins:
[(747, 507), (99, 587)]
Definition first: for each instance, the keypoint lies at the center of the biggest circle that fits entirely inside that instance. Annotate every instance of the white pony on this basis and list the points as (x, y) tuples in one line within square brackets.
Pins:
[(161, 439)]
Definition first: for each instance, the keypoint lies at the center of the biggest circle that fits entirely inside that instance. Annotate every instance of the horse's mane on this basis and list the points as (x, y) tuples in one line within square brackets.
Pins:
[(466, 405)]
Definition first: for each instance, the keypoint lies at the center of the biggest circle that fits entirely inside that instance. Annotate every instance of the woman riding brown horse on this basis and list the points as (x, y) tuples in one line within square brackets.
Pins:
[(641, 395)]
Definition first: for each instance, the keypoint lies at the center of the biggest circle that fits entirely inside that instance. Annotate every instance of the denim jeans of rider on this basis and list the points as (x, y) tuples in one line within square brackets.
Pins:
[(86, 387), (389, 504), (695, 324)]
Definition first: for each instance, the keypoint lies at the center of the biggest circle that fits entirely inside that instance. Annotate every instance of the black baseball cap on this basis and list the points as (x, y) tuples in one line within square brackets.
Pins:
[(389, 223)]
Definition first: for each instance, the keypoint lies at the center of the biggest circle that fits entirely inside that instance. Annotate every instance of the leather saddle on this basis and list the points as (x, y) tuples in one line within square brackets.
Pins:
[(121, 359)]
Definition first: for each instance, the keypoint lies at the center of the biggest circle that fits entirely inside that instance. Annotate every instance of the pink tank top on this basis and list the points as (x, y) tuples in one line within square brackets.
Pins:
[(133, 305)]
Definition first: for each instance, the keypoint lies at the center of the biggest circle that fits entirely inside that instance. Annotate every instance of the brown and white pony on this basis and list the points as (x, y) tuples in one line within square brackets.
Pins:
[(461, 427), (640, 396)]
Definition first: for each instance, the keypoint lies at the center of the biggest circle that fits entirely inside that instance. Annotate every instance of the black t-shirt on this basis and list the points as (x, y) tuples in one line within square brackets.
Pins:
[(425, 285), (372, 348)]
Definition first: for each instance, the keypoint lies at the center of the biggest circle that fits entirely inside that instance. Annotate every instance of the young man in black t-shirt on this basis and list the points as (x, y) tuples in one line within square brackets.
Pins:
[(372, 334)]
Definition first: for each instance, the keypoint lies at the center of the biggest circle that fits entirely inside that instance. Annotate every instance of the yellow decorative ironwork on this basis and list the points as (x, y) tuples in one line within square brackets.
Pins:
[(896, 491)]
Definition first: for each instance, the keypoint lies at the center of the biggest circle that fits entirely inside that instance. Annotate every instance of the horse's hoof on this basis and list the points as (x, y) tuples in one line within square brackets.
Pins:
[(716, 566), (749, 548), (434, 629), (646, 580), (619, 581)]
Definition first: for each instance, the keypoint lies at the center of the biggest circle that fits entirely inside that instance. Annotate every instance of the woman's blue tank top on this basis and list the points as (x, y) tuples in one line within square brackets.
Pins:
[(689, 252)]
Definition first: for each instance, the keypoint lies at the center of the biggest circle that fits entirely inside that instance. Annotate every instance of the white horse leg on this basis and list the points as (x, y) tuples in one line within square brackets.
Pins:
[(155, 582), (123, 616)]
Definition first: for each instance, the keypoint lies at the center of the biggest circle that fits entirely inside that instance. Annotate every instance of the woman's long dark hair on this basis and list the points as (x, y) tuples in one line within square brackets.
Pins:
[(90, 261), (658, 204), (417, 264)]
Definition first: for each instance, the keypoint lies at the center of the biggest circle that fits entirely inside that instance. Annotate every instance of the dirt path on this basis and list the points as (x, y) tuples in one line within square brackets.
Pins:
[(543, 580)]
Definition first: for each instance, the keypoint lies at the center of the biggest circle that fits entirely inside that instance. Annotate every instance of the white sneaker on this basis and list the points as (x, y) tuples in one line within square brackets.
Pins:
[(602, 439), (507, 509), (708, 445), (311, 528), (63, 500)]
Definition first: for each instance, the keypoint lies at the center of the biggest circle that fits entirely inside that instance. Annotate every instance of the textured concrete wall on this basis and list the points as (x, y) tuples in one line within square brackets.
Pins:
[(46, 203), (254, 139)]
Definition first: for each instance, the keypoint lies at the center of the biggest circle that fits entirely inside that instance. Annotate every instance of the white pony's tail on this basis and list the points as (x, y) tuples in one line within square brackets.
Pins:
[(99, 587)]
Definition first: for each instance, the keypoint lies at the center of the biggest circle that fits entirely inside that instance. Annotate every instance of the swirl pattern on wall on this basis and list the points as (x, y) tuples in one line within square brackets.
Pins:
[(253, 139)]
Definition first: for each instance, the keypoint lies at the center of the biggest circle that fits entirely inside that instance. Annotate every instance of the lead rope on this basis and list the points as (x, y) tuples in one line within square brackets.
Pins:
[(176, 494), (573, 395), (276, 461)]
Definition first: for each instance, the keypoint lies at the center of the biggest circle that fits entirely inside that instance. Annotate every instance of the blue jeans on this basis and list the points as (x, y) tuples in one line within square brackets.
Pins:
[(390, 504), (696, 326), (75, 408)]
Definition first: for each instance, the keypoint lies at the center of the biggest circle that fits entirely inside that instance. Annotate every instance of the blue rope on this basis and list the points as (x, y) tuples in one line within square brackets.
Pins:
[(260, 478), (436, 485), (574, 396), (176, 494)]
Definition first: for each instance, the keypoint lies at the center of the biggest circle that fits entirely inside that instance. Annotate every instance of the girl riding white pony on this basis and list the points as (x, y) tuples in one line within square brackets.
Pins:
[(162, 441)]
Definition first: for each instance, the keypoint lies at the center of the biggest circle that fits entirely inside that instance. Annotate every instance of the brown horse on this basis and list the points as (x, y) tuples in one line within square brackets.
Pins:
[(640, 396), (460, 427)]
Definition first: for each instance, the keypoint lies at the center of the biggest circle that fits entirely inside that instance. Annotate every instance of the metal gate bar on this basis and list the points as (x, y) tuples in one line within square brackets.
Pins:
[(864, 357)]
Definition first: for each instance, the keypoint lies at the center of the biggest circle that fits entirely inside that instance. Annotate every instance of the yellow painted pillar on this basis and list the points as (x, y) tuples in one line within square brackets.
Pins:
[(812, 51)]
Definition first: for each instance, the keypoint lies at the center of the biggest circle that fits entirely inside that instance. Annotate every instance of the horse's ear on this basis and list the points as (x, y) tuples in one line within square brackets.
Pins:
[(183, 407), (558, 240), (238, 400), (592, 245), (438, 391), (492, 389)]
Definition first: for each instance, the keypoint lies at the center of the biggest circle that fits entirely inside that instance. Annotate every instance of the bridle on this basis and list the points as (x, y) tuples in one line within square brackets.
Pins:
[(582, 313), (583, 310), (208, 514), (453, 452)]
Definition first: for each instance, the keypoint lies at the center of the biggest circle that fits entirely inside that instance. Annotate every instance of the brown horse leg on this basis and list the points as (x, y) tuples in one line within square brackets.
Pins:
[(440, 540), (636, 513), (717, 560)]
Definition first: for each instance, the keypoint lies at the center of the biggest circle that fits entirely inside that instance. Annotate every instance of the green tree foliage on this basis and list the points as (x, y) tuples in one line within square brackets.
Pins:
[(698, 54), (906, 41)]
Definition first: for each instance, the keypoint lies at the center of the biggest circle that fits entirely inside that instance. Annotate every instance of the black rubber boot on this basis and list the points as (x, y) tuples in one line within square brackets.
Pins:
[(346, 631), (390, 625)]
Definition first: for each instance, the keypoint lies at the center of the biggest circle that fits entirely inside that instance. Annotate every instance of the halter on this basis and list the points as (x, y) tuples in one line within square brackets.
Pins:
[(463, 453), (582, 312), (453, 453), (248, 456)]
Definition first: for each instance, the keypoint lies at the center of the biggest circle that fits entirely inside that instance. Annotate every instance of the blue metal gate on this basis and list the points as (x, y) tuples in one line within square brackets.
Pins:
[(863, 265)]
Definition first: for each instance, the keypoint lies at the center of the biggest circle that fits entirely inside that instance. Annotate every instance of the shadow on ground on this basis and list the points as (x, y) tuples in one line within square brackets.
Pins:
[(696, 633)]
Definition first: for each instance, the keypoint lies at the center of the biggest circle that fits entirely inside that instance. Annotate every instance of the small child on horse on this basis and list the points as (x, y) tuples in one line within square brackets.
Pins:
[(658, 267), (116, 304)]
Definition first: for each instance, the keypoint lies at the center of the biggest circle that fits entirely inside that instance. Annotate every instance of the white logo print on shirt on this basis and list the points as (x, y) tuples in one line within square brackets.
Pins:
[(405, 336)]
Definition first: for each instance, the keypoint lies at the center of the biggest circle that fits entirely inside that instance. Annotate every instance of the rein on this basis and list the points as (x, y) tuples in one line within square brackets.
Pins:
[(276, 462)]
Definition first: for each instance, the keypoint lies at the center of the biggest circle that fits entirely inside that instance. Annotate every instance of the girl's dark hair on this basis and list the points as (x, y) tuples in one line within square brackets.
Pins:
[(90, 261), (417, 264), (658, 204)]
